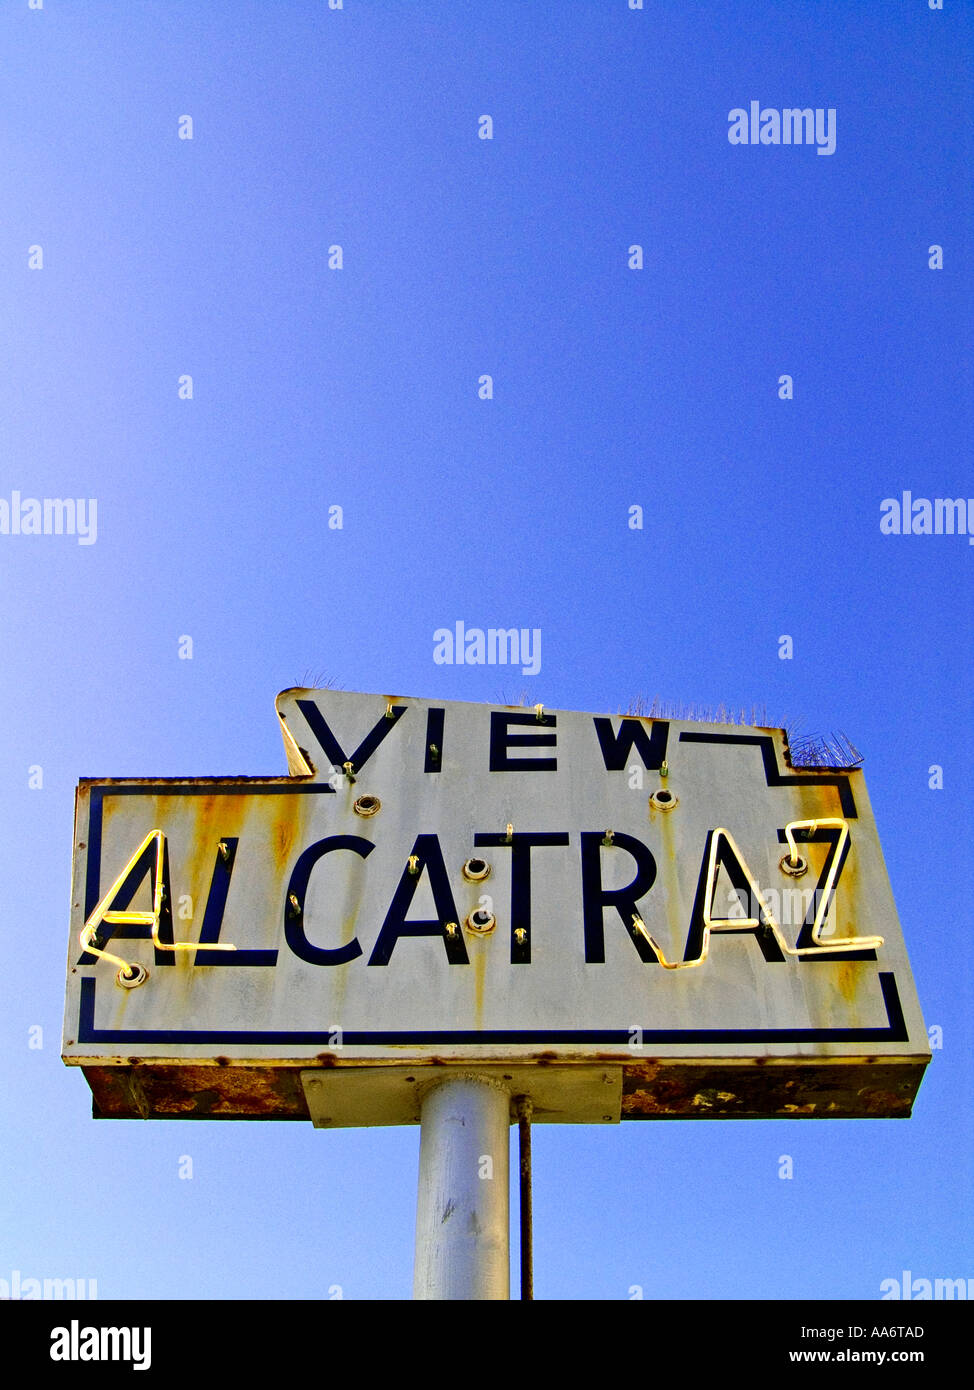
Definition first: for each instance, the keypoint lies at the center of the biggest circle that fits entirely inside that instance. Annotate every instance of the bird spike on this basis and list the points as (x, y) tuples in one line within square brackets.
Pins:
[(832, 750)]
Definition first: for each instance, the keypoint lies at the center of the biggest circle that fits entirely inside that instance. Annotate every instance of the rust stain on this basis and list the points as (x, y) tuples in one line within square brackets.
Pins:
[(847, 980), (815, 800), (644, 1071), (213, 818), (284, 827), (651, 1089), (479, 948)]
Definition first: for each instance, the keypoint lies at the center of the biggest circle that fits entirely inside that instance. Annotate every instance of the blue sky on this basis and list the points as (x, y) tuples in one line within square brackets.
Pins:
[(360, 388)]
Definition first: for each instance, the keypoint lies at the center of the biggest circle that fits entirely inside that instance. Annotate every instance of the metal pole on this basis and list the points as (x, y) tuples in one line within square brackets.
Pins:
[(524, 1108), (462, 1213)]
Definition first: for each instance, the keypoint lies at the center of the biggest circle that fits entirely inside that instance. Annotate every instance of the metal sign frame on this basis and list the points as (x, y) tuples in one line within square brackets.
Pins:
[(699, 1012)]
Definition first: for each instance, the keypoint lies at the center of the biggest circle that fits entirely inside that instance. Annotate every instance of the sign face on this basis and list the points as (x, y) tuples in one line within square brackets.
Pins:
[(438, 882)]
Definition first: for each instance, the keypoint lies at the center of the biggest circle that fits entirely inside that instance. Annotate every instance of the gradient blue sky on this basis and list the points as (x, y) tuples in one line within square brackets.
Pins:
[(359, 388)]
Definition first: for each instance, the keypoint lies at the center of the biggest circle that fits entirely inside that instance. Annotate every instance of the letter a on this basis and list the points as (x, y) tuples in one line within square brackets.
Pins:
[(737, 135), (889, 522), (151, 856)]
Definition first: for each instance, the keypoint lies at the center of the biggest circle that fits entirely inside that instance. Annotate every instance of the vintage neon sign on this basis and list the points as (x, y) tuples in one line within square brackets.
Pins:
[(381, 905)]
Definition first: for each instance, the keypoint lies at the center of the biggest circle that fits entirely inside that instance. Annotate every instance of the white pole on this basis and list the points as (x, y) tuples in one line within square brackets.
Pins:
[(462, 1214)]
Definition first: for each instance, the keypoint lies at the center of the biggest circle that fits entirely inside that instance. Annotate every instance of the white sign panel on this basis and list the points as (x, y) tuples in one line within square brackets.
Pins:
[(445, 882)]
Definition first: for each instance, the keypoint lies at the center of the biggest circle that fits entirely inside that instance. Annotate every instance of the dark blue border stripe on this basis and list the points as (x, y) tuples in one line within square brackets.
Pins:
[(772, 774), (895, 1031), (93, 863)]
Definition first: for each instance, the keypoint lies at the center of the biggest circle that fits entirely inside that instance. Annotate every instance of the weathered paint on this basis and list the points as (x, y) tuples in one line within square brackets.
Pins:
[(738, 1036), (650, 1090)]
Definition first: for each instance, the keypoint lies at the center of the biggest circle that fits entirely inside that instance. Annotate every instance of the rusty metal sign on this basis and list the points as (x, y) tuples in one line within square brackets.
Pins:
[(670, 907)]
